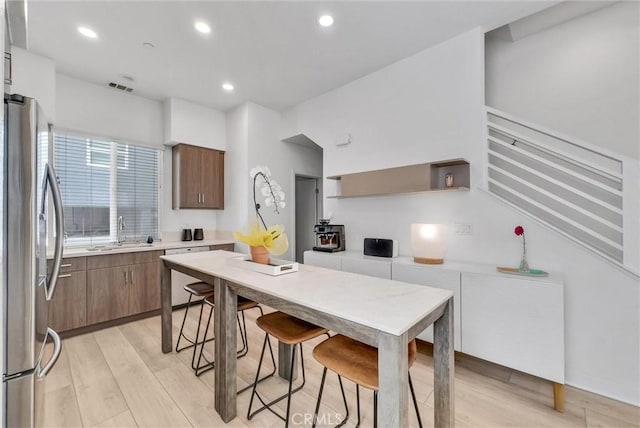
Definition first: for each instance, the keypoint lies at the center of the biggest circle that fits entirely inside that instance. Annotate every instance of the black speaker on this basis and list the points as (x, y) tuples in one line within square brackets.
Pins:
[(380, 247)]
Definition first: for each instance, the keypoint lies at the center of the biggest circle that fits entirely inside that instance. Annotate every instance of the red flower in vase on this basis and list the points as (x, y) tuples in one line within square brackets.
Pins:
[(519, 231)]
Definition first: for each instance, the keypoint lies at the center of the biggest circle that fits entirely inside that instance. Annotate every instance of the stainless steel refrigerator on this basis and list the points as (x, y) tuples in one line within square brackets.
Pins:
[(30, 347)]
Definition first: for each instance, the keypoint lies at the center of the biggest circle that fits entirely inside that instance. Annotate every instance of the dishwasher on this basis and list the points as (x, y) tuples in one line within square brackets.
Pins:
[(179, 280)]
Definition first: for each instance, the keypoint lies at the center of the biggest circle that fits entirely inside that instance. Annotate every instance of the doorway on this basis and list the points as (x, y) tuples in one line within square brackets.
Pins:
[(308, 209)]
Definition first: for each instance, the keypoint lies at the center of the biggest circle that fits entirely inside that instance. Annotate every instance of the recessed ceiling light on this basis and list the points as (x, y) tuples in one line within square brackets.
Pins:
[(202, 27), (87, 32), (326, 20), (227, 87)]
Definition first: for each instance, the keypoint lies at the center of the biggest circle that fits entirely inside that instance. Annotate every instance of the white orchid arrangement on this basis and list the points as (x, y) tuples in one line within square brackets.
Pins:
[(270, 189), (272, 238)]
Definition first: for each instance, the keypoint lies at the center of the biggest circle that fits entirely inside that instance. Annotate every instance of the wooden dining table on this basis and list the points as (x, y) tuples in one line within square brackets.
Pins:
[(382, 313)]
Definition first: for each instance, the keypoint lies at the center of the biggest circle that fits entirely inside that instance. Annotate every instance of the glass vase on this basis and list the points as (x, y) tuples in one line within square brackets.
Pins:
[(524, 266)]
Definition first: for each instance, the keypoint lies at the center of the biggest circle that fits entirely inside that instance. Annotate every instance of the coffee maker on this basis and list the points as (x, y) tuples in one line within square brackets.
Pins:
[(329, 237)]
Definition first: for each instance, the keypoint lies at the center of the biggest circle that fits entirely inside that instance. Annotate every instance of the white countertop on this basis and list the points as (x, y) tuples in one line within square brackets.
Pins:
[(386, 305), (156, 246), (468, 267)]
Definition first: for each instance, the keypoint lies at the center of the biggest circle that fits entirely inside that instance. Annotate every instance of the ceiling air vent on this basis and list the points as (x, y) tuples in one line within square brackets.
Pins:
[(120, 87)]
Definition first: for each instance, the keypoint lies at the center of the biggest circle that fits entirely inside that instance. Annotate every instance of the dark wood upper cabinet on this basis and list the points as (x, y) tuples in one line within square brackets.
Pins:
[(198, 177)]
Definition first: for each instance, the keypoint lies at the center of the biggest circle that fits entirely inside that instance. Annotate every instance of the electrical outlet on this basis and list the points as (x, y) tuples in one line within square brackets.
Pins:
[(463, 228)]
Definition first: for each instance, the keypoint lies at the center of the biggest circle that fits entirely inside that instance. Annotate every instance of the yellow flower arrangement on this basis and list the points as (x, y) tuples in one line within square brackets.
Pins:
[(272, 238)]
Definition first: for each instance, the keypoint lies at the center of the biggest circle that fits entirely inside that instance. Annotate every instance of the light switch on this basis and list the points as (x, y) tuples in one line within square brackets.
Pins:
[(463, 228)]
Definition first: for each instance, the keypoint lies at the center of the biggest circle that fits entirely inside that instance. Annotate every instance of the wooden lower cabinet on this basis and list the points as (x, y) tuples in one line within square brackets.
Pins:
[(106, 287), (67, 309), (121, 291), (144, 290), (107, 294), (225, 247)]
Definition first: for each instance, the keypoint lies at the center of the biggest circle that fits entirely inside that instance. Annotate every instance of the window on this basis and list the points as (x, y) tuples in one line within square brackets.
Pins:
[(99, 154), (101, 180)]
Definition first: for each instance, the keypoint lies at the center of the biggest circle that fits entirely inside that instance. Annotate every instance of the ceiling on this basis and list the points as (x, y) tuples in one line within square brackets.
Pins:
[(274, 53)]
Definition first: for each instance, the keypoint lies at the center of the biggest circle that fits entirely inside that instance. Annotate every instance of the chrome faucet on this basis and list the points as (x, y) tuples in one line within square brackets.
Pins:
[(120, 238)]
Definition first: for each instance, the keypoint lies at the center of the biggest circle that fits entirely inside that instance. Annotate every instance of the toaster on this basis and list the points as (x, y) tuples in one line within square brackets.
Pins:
[(380, 247)]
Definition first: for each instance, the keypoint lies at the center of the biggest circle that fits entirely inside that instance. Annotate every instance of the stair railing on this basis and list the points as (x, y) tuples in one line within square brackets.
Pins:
[(584, 192)]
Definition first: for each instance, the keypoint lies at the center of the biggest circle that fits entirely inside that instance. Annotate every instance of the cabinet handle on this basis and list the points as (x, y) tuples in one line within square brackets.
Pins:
[(203, 198), (8, 68), (67, 275), (125, 276), (66, 265), (131, 276)]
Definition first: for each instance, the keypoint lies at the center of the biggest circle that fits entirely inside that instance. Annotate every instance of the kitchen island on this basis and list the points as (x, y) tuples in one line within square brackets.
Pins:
[(382, 313)]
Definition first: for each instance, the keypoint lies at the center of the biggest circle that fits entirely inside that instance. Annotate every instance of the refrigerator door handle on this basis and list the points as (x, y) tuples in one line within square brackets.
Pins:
[(51, 179), (57, 348)]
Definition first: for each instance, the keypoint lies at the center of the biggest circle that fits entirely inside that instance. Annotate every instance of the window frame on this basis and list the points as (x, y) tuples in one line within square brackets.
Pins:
[(83, 242)]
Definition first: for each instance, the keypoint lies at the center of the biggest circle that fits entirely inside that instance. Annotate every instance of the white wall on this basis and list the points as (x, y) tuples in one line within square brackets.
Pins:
[(429, 107), (236, 174), (102, 111), (99, 110), (253, 139), (187, 122), (285, 160), (580, 77), (34, 76)]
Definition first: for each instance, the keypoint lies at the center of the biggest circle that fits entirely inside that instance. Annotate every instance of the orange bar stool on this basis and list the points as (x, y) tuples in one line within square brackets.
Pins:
[(243, 305), (357, 362), (197, 290), (291, 331)]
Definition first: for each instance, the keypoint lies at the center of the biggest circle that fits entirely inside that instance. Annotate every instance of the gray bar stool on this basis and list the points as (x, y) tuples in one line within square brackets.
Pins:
[(291, 331), (243, 305), (196, 289), (357, 362)]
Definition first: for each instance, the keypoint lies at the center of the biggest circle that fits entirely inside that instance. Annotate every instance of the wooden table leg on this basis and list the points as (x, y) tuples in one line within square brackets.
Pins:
[(284, 361), (225, 350), (443, 369), (165, 305), (558, 396), (393, 394)]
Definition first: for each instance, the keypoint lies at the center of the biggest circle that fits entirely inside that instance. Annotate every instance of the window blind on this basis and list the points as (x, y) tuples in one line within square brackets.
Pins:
[(101, 180)]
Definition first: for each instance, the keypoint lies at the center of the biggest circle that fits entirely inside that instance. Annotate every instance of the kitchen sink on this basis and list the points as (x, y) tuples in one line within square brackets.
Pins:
[(109, 247)]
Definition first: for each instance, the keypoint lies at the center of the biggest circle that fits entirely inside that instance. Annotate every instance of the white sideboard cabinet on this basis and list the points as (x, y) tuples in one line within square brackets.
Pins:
[(350, 261), (367, 265), (434, 276), (321, 259), (517, 322), (512, 320)]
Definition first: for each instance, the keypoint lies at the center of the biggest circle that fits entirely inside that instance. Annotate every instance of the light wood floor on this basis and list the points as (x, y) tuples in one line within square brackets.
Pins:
[(118, 377)]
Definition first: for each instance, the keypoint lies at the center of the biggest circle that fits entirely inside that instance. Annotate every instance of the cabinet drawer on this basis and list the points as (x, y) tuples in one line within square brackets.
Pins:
[(124, 259), (225, 247), (71, 264), (371, 267), (325, 260)]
